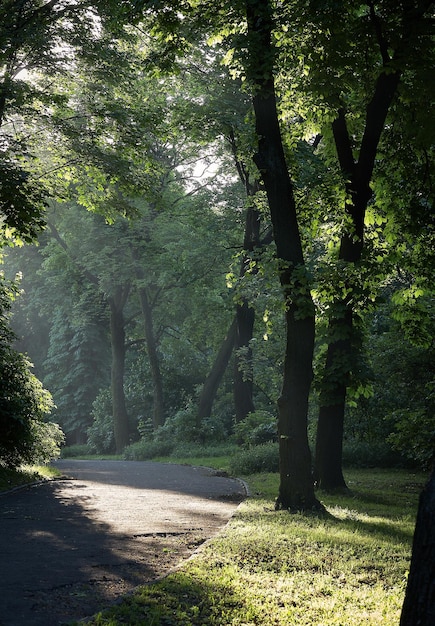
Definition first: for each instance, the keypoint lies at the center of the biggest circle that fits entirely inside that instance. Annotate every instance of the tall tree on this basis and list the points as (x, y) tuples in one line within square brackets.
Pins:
[(395, 44), (296, 491)]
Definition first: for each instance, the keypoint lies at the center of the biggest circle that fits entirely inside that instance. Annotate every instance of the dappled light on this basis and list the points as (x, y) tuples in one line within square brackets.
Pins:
[(217, 249)]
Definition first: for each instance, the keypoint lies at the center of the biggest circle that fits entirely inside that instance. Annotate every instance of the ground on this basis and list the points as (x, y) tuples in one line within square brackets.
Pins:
[(75, 545)]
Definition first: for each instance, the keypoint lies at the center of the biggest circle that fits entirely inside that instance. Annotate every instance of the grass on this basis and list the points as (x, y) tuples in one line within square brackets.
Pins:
[(10, 479), (345, 568), (221, 463)]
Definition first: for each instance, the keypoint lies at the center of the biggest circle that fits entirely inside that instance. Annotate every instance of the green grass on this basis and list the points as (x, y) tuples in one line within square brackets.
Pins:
[(221, 463), (345, 568), (95, 457), (9, 479)]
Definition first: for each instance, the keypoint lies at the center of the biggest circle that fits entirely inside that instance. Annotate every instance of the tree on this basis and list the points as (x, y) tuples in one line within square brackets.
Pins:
[(395, 51), (117, 301), (25, 436), (419, 604), (296, 490)]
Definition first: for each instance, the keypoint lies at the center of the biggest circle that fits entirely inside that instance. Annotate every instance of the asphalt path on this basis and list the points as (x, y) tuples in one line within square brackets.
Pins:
[(72, 546)]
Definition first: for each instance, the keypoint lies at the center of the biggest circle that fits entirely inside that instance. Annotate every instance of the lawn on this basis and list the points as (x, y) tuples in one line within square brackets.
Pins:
[(345, 568)]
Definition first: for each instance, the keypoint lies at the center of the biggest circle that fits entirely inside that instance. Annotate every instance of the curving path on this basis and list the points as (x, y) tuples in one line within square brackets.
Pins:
[(70, 547)]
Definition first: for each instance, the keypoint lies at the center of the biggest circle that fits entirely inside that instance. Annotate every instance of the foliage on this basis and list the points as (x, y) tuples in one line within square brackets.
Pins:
[(399, 414), (75, 367), (75, 451), (182, 427), (123, 136), (145, 450), (25, 475), (261, 458), (25, 437), (347, 567), (358, 453), (47, 439), (100, 434), (414, 434), (258, 427)]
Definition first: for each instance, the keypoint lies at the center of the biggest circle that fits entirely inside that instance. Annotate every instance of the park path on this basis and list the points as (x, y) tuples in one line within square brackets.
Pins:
[(70, 547)]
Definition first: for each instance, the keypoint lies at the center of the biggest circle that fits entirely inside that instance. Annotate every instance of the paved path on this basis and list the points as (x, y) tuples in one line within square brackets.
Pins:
[(70, 547)]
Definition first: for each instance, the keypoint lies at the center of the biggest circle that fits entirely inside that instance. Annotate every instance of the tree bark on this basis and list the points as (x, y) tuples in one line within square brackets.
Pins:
[(296, 489), (117, 338), (419, 604), (243, 370), (245, 315), (214, 378)]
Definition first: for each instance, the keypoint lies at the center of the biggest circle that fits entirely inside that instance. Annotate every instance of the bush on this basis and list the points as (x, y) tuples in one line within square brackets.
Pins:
[(77, 450), (262, 458), (144, 450), (101, 438), (258, 427), (371, 454), (414, 435), (191, 450), (25, 436), (183, 427), (48, 438)]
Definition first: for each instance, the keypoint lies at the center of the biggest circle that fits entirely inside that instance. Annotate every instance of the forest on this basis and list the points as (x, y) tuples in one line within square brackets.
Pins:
[(217, 232)]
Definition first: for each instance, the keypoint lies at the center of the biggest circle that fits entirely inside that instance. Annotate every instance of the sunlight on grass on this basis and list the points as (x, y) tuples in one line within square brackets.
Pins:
[(347, 567), (27, 474)]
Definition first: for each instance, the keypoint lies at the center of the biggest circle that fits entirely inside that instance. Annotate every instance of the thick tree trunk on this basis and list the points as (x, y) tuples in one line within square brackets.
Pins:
[(153, 357), (214, 378), (117, 338), (296, 489), (419, 605), (328, 471)]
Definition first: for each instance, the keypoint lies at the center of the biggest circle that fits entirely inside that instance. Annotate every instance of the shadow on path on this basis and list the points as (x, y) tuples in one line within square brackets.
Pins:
[(69, 548)]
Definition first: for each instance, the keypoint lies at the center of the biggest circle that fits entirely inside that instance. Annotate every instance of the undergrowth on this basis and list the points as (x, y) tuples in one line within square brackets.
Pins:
[(11, 478)]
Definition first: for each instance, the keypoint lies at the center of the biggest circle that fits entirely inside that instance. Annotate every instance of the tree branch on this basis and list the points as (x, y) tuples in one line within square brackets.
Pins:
[(343, 144)]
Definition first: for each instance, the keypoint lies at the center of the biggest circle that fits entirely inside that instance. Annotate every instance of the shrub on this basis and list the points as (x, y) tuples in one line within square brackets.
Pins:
[(183, 427), (370, 454), (414, 435), (25, 436), (190, 450), (48, 438), (258, 427), (101, 438), (262, 458), (144, 450), (77, 450)]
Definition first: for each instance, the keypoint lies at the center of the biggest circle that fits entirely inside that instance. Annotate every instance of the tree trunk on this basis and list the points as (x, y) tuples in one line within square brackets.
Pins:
[(243, 371), (214, 378), (153, 357), (296, 489), (117, 337), (329, 440), (419, 605), (245, 315), (328, 471)]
